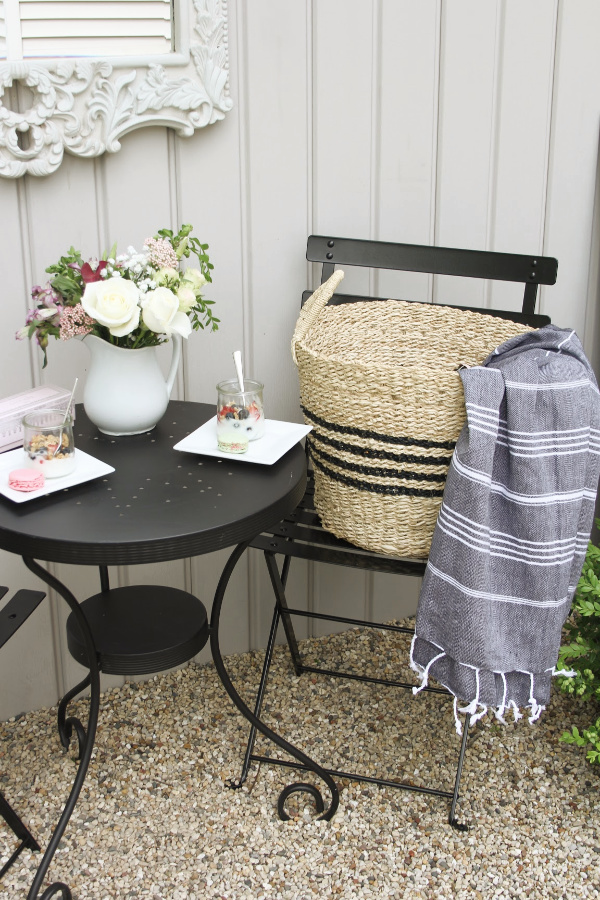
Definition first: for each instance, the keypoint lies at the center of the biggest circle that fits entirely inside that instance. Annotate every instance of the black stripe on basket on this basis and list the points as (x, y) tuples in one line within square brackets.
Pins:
[(392, 490), (385, 438), (369, 453), (379, 471)]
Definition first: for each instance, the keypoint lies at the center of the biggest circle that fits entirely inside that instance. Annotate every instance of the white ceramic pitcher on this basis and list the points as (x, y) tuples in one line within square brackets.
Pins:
[(125, 390)]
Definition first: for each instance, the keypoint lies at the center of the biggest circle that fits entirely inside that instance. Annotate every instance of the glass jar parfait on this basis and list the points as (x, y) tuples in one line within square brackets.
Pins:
[(48, 442), (240, 415)]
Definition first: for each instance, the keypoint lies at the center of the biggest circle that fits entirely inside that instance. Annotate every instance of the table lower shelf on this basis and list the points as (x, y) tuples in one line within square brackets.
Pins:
[(141, 629)]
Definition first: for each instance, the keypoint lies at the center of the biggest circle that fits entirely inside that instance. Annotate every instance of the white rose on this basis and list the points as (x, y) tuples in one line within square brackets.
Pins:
[(186, 297), (160, 312), (113, 303), (164, 275), (195, 279)]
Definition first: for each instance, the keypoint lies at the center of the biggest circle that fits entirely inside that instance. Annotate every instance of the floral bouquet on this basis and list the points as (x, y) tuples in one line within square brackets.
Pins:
[(132, 300)]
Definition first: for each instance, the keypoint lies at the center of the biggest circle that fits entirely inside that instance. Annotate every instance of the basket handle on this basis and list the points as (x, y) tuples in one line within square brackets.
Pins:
[(313, 307)]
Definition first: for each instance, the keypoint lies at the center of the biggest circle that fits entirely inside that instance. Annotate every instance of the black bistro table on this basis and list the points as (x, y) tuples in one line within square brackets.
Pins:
[(159, 504)]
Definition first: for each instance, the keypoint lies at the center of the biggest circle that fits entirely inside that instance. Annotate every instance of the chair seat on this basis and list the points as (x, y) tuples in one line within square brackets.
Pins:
[(17, 611), (302, 535)]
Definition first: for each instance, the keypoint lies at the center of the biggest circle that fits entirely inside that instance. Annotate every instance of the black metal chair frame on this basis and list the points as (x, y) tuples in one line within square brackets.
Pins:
[(13, 615), (301, 534)]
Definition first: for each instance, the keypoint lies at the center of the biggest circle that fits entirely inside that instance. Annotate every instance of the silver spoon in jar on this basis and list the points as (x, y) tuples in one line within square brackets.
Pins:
[(64, 422), (237, 359)]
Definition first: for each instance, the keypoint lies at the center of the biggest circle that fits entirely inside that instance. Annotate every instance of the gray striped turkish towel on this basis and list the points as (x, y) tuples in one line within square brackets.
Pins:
[(513, 529)]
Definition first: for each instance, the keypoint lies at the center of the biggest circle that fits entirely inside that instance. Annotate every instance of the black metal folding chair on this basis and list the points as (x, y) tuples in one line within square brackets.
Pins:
[(12, 616), (301, 534)]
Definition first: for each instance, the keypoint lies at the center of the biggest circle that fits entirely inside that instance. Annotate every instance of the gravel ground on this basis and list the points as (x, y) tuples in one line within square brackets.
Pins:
[(155, 819)]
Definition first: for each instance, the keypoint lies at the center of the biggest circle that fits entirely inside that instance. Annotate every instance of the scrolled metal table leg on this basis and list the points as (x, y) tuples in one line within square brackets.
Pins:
[(252, 718), (300, 787), (67, 725), (58, 888)]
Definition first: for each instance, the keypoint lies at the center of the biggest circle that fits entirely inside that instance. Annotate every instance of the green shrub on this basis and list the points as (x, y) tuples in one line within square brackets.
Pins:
[(581, 653)]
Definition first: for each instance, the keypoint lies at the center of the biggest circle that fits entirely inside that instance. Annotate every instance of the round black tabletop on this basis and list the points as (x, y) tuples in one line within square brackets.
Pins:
[(158, 504)]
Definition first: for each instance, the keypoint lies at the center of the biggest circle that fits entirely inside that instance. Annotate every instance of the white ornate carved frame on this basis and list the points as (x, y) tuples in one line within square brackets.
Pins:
[(84, 106)]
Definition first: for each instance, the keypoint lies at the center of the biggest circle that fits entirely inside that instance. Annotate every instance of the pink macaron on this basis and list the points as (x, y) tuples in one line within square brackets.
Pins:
[(25, 480)]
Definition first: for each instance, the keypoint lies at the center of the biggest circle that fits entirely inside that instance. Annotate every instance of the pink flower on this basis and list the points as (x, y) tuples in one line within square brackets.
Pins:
[(44, 315), (41, 315), (45, 296), (161, 253), (74, 321)]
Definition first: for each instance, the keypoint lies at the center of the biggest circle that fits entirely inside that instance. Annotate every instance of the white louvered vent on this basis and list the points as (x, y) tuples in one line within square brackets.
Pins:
[(31, 29)]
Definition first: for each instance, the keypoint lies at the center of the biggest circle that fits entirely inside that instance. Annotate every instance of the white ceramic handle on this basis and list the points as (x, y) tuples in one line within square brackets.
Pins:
[(176, 338)]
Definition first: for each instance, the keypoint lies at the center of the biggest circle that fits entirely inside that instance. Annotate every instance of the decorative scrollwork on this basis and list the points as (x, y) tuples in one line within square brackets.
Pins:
[(84, 107), (300, 787)]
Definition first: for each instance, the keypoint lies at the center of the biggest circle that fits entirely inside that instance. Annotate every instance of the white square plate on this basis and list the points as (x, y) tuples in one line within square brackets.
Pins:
[(87, 468), (279, 437)]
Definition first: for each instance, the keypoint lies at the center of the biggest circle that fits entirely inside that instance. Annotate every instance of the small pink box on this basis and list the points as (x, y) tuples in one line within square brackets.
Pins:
[(12, 410)]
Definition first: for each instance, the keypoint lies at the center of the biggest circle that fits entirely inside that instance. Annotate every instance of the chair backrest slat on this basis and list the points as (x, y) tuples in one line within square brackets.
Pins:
[(526, 268), (530, 270)]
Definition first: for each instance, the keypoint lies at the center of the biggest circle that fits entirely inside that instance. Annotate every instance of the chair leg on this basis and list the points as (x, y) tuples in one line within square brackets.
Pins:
[(21, 831), (282, 612), (459, 767), (278, 585), (259, 701), (278, 582)]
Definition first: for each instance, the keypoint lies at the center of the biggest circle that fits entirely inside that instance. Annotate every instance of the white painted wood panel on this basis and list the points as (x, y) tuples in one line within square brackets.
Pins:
[(464, 124), (573, 160), (467, 111), (394, 597), (276, 192), (591, 333), (521, 139), (344, 120), (211, 180), (345, 102), (56, 215), (146, 199), (14, 265), (275, 161), (339, 592), (406, 150)]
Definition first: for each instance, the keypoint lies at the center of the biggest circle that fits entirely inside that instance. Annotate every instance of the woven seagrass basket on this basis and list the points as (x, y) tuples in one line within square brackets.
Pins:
[(379, 383)]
